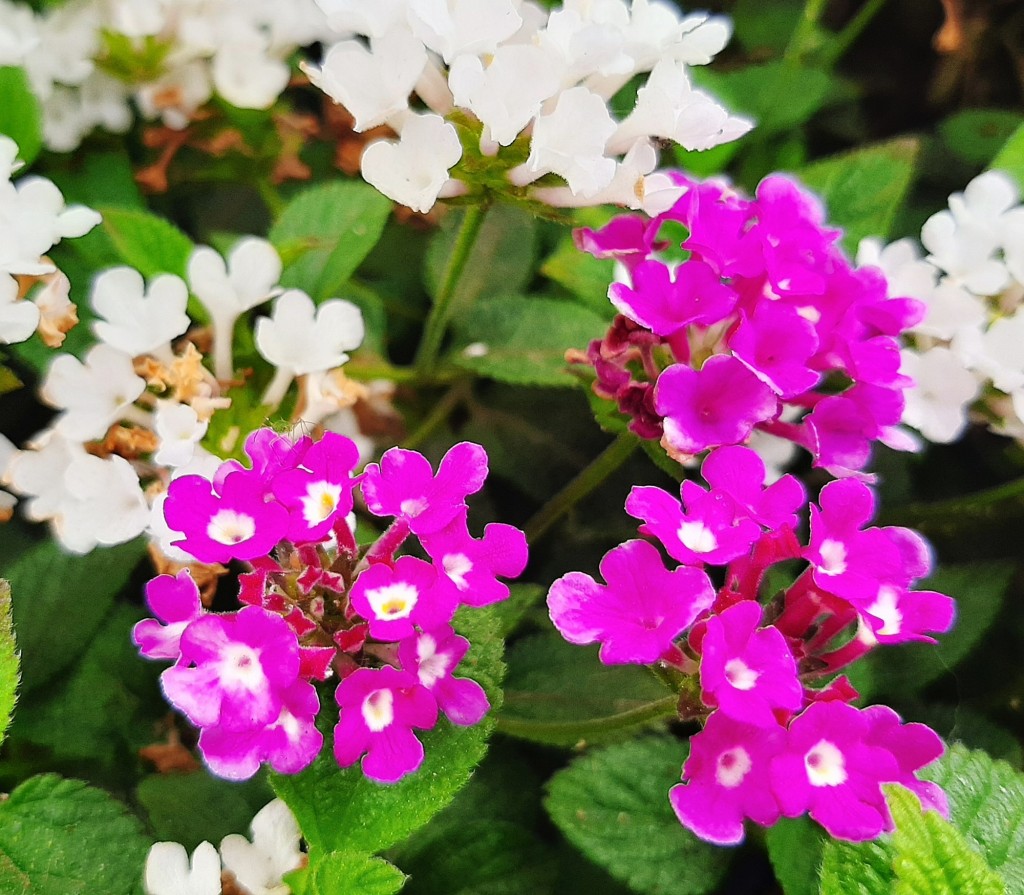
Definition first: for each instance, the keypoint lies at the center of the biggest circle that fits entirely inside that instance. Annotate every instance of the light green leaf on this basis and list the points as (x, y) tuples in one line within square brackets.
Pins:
[(554, 688), (864, 189), (9, 673), (100, 178), (9, 380), (986, 804), (61, 837), (338, 873), (795, 847), (613, 805), (976, 135), (327, 230), (1011, 157), (863, 868), (62, 602), (523, 340), (147, 242), (932, 858), (341, 810), (21, 116)]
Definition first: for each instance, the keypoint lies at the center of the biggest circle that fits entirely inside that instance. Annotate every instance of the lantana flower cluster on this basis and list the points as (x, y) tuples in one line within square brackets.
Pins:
[(517, 96), (764, 329), (135, 410), (317, 606), (88, 61), (965, 354), (780, 737)]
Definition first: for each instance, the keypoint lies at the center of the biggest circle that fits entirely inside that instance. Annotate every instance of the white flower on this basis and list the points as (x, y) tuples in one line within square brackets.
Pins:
[(570, 141), (18, 319), (966, 252), (951, 312), (136, 320), (413, 170), (180, 430), (246, 76), (997, 352), (176, 95), (906, 272), (943, 392), (93, 394), (168, 871), (372, 84), (57, 313), (273, 852), (373, 19), (304, 338), (38, 473), (1012, 240), (105, 506), (453, 27)]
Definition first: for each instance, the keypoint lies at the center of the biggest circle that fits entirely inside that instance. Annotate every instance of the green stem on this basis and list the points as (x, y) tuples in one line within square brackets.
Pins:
[(437, 320), (804, 37), (842, 41), (960, 510), (602, 466), (580, 730), (455, 396)]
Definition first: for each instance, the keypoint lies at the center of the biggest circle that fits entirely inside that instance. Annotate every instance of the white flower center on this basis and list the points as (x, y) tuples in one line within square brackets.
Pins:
[(457, 566), (833, 557), (241, 669), (433, 666), (696, 536), (393, 600), (886, 607), (733, 765), (321, 499), (740, 674), (413, 506), (825, 765), (229, 527), (379, 710)]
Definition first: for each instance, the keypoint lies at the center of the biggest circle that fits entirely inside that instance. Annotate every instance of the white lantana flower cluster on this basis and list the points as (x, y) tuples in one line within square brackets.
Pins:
[(33, 219), (966, 358), (535, 84), (134, 410), (257, 866), (238, 49)]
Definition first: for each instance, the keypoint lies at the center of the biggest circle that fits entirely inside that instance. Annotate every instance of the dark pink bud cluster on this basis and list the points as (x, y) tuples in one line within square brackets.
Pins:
[(316, 605), (764, 320), (780, 737)]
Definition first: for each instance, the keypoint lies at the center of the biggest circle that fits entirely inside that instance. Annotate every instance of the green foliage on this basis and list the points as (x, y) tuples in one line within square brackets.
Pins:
[(338, 872), (325, 232), (522, 340), (1011, 157), (147, 242), (21, 116), (795, 847), (613, 805), (864, 189), (9, 673), (864, 868), (61, 837), (976, 135)]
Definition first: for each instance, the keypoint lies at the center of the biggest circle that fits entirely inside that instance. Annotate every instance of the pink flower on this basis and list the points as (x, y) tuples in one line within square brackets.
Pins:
[(740, 473), (776, 343), (748, 672), (640, 612), (727, 778), (432, 656), (395, 598), (379, 709), (233, 669), (913, 746), (474, 566), (174, 599), (404, 485), (230, 522), (718, 404), (898, 616)]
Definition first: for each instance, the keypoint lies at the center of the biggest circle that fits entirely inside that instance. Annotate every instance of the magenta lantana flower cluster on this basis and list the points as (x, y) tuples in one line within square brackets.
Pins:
[(318, 606), (764, 327), (780, 737)]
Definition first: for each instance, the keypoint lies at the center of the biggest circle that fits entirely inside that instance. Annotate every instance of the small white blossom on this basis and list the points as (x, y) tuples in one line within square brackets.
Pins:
[(180, 430), (453, 27), (246, 75), (943, 392), (18, 319), (168, 871), (274, 851), (38, 473), (105, 506), (305, 338), (137, 320)]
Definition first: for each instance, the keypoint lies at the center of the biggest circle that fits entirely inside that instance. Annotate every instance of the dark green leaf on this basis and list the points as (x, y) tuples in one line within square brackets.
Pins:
[(61, 837), (326, 231), (613, 805), (976, 135), (21, 116), (864, 189), (100, 178), (147, 242), (9, 673), (795, 849)]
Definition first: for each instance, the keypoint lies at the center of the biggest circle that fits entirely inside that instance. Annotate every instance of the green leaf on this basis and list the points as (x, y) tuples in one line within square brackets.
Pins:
[(9, 673), (613, 805), (986, 804), (341, 810), (501, 259), (9, 380), (521, 599), (147, 242), (521, 340), (21, 116), (191, 808), (61, 837), (328, 230), (979, 589), (976, 135), (551, 682), (1011, 157), (864, 868), (62, 602), (932, 858), (864, 189), (335, 873), (795, 848)]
